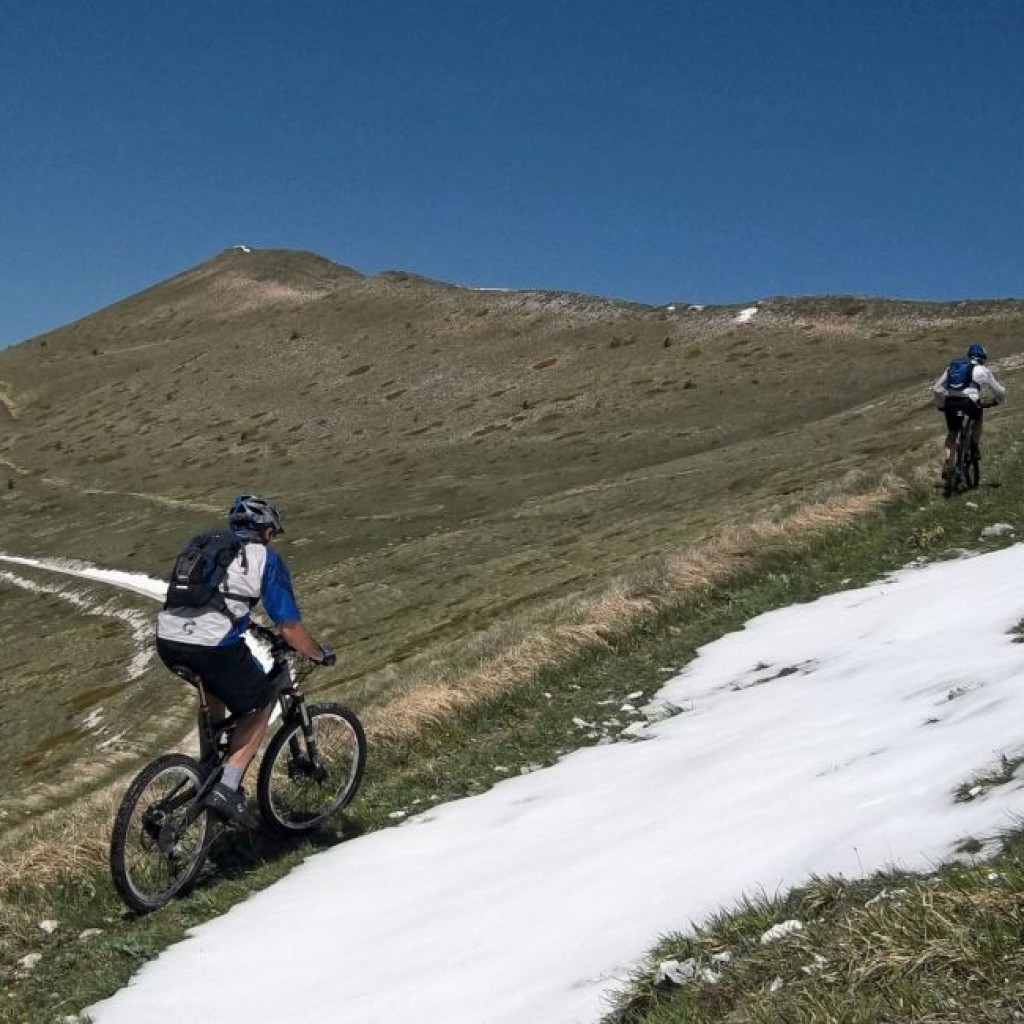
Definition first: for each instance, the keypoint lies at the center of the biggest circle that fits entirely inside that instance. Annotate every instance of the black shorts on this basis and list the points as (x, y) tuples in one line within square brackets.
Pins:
[(956, 407), (230, 673)]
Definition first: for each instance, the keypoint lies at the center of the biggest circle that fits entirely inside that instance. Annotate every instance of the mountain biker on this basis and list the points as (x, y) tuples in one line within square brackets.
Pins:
[(209, 641), (958, 393)]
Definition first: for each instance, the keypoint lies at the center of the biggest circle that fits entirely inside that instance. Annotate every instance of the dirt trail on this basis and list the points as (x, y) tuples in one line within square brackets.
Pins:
[(7, 402)]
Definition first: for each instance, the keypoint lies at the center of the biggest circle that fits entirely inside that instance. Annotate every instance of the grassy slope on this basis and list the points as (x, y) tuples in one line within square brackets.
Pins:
[(522, 448), (522, 729)]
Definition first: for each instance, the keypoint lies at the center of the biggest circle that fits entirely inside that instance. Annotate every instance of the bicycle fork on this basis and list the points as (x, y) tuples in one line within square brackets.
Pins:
[(309, 760)]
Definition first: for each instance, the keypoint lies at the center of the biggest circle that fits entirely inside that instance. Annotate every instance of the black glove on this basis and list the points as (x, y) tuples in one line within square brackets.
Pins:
[(327, 655)]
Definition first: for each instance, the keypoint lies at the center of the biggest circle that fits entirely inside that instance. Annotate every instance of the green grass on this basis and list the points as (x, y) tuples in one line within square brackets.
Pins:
[(532, 726), (941, 947)]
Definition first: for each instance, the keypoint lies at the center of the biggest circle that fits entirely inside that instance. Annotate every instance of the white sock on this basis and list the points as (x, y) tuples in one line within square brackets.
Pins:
[(231, 776)]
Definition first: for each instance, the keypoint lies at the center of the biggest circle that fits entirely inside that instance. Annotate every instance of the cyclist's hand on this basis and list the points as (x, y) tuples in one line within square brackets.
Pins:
[(329, 657)]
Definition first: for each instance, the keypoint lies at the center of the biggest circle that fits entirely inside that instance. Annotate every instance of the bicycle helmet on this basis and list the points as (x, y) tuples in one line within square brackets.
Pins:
[(250, 515), (977, 352)]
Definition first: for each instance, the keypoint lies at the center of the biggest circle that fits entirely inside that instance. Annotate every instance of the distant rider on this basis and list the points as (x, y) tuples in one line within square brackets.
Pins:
[(958, 393), (210, 642)]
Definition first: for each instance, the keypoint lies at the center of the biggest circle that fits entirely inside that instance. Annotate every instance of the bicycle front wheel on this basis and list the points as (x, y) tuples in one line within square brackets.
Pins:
[(304, 779), (160, 838)]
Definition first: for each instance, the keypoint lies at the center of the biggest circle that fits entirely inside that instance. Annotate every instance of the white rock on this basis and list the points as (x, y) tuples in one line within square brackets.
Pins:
[(659, 712), (398, 814), (635, 695), (998, 530), (775, 985), (636, 730), (675, 972), (781, 930), (725, 957), (27, 964), (49, 926), (89, 933), (582, 723), (886, 896)]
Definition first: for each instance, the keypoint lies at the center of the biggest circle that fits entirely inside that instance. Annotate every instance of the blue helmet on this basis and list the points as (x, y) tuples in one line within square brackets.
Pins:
[(250, 515), (977, 353)]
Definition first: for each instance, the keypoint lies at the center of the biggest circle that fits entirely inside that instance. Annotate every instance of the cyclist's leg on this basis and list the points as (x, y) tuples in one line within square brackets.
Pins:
[(246, 737), (245, 688), (976, 434), (953, 413), (218, 711)]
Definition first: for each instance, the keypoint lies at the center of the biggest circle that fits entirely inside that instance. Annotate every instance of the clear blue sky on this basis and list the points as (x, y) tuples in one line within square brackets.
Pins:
[(709, 150)]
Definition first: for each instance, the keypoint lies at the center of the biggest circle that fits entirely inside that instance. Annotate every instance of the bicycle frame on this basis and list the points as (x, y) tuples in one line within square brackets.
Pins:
[(217, 736)]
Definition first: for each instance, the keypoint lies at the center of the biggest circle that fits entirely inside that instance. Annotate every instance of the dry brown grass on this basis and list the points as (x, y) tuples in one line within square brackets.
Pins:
[(594, 624), (61, 843), (63, 846), (736, 547), (598, 621)]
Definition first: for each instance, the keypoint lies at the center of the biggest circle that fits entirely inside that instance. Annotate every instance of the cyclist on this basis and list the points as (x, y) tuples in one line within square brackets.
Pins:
[(958, 393), (209, 641)]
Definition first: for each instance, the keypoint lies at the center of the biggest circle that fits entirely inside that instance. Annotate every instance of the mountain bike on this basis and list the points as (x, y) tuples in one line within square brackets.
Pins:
[(965, 471), (310, 770)]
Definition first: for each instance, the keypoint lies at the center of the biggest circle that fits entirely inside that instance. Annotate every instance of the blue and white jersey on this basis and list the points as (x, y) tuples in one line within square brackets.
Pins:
[(981, 377), (258, 573)]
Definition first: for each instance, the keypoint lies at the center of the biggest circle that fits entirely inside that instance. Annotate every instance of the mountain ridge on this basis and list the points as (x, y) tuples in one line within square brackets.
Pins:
[(247, 277)]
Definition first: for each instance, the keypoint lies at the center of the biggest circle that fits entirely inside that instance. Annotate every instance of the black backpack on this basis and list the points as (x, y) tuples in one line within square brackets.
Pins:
[(199, 572)]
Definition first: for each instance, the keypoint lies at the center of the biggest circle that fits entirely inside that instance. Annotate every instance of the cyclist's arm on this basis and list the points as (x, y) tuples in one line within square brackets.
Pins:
[(279, 601), (299, 638), (988, 378), (939, 387)]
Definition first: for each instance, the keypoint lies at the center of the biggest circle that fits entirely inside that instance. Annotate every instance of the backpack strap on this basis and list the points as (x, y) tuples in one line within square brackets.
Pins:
[(220, 603)]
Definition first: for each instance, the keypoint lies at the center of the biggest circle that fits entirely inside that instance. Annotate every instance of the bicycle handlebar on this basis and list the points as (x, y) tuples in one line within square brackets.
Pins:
[(278, 645)]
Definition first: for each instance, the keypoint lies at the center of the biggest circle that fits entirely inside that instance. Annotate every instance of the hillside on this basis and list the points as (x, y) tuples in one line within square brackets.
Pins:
[(448, 460), (491, 498)]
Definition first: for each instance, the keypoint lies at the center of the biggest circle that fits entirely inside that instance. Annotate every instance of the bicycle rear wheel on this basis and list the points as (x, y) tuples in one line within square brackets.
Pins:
[(160, 838), (958, 478), (972, 471), (301, 785)]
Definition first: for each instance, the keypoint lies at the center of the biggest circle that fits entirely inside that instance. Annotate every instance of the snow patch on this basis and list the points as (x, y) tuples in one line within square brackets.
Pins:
[(737, 783), (137, 582)]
